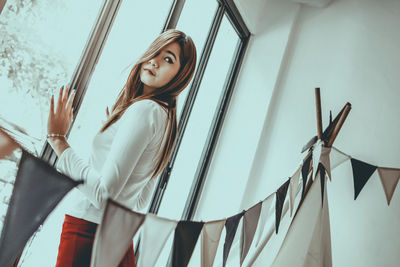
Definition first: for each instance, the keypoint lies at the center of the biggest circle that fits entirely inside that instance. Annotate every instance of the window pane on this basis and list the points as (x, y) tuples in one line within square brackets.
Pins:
[(137, 24), (200, 11), (199, 123), (40, 45)]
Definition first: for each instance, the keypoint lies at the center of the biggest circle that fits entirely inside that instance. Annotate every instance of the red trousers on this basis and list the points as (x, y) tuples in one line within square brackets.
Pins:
[(76, 243)]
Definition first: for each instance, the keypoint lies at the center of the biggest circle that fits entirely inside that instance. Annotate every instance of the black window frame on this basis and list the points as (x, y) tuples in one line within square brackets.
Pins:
[(92, 52)]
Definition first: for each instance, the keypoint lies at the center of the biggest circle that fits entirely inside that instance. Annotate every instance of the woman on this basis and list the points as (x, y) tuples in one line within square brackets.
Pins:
[(132, 147)]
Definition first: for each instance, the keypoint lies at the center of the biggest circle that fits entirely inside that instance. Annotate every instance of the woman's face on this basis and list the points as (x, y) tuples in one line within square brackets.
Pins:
[(160, 70)]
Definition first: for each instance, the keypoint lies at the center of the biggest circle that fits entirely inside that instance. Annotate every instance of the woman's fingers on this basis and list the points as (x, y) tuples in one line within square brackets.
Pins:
[(51, 105), (60, 98), (71, 100), (65, 96)]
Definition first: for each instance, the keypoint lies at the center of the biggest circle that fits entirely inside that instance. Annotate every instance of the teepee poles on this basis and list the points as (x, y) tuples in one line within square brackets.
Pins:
[(319, 113), (339, 125)]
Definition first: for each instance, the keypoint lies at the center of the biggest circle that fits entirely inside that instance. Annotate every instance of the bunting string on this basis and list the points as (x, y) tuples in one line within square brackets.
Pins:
[(260, 221)]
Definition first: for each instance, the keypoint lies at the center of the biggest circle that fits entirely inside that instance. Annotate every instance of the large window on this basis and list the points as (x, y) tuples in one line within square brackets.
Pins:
[(94, 44), (40, 45), (200, 121), (195, 11), (127, 40)]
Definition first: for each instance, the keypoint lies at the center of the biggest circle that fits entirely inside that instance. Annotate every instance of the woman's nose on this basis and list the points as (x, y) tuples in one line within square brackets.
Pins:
[(153, 63)]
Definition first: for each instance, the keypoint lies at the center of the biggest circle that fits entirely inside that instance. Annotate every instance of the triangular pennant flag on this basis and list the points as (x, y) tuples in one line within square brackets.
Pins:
[(325, 160), (305, 170), (38, 188), (321, 171), (337, 157), (294, 189), (110, 245), (154, 234), (185, 239), (250, 221), (210, 236), (316, 155), (308, 239), (389, 178), (231, 225), (280, 199), (267, 210), (7, 144), (361, 173)]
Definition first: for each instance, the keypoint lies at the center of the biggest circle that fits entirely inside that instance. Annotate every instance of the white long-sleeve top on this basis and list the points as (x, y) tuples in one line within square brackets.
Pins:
[(121, 162)]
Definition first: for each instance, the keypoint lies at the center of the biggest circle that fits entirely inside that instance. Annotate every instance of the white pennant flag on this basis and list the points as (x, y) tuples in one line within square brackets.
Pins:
[(337, 157), (154, 235), (294, 188), (210, 237), (267, 211), (389, 178), (325, 160), (316, 155), (114, 235), (307, 242)]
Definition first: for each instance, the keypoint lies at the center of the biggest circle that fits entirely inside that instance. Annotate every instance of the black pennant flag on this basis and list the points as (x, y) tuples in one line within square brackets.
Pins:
[(322, 173), (280, 199), (361, 173), (304, 172), (186, 235), (38, 188), (231, 226)]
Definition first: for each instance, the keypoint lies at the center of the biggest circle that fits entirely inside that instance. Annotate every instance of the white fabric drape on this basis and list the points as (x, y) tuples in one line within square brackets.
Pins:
[(294, 188), (307, 242), (325, 160)]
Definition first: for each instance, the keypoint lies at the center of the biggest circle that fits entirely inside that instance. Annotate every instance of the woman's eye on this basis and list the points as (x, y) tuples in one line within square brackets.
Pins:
[(169, 60)]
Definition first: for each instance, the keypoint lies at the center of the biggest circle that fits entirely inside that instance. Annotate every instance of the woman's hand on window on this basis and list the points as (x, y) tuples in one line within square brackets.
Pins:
[(61, 117)]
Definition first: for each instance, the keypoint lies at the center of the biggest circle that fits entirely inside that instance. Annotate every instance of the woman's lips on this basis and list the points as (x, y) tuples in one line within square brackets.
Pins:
[(149, 71)]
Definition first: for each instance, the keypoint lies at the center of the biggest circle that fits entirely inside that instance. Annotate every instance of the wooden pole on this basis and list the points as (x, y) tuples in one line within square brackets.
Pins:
[(339, 125), (319, 112)]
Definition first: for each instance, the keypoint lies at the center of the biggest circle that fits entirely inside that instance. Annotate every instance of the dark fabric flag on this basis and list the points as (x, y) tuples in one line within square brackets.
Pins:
[(322, 173), (38, 188), (250, 221), (231, 226), (361, 173), (280, 199), (186, 235), (305, 171)]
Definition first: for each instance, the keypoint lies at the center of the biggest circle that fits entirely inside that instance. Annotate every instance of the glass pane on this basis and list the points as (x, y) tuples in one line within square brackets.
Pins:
[(37, 56), (137, 24), (40, 45), (196, 133), (201, 11)]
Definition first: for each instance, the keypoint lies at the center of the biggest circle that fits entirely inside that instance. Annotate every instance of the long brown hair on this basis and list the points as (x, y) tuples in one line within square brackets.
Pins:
[(166, 95)]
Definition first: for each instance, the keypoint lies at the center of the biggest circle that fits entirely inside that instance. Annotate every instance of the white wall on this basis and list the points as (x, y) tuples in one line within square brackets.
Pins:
[(350, 50)]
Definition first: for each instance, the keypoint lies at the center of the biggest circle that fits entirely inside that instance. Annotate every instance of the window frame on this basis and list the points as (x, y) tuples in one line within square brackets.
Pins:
[(228, 8)]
